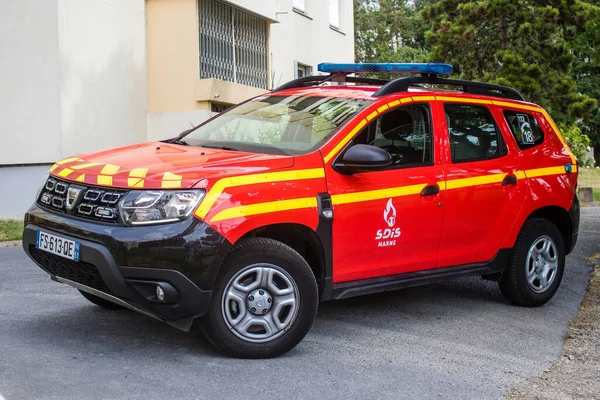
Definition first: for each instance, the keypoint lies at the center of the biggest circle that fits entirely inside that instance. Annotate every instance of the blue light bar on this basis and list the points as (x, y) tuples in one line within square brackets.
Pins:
[(388, 68)]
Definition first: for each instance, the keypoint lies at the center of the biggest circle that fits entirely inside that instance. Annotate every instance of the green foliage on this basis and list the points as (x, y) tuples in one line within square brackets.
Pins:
[(526, 44), (390, 31), (548, 50), (586, 69), (578, 142)]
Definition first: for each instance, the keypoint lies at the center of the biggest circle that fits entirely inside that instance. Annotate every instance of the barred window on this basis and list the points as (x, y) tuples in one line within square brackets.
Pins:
[(233, 44)]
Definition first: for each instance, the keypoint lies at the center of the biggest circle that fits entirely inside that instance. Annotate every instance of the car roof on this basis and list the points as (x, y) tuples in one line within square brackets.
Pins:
[(360, 92)]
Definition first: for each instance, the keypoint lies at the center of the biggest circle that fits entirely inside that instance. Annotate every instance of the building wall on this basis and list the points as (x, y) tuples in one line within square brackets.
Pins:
[(308, 39), (30, 85), (73, 76), (83, 75), (103, 86), (179, 99)]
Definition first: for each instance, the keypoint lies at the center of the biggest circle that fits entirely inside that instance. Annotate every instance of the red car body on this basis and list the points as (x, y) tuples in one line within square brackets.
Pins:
[(473, 216)]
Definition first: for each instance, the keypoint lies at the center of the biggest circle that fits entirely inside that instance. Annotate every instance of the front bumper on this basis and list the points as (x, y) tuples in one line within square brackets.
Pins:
[(124, 264)]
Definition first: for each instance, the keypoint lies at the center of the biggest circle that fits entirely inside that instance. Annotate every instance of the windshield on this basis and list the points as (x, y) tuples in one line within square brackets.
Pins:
[(276, 124)]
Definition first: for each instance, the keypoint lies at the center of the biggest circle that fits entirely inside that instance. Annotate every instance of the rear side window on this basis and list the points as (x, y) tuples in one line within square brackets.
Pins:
[(473, 133), (525, 129)]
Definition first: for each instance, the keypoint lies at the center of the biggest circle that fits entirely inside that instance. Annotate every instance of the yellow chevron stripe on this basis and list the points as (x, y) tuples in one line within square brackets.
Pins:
[(345, 140), (423, 98), (474, 181), (81, 178), (65, 172), (533, 173), (171, 181), (369, 117), (358, 197), (110, 169), (517, 106), (52, 168), (66, 160), (560, 136), (86, 165), (264, 208), (372, 115), (383, 108), (105, 180), (462, 100), (136, 177), (269, 177)]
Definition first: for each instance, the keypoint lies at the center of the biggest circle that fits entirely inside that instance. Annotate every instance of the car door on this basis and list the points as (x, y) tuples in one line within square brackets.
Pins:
[(484, 183), (389, 221)]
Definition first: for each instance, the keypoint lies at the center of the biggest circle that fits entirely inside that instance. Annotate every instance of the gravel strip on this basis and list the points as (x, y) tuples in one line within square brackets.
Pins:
[(576, 374)]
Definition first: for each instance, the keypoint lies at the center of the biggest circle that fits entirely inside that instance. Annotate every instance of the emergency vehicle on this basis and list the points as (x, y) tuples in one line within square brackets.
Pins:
[(328, 187)]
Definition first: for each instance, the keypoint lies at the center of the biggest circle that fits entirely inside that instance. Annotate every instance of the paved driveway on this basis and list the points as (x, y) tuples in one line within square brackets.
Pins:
[(451, 340)]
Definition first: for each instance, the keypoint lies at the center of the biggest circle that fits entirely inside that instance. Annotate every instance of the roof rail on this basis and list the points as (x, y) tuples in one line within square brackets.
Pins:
[(316, 80), (487, 89)]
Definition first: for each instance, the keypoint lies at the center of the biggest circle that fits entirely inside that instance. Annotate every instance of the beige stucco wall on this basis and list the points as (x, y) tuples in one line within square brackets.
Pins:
[(173, 55), (178, 98)]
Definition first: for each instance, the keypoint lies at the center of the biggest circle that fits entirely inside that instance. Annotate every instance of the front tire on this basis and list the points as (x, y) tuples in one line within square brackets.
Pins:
[(264, 302), (536, 265)]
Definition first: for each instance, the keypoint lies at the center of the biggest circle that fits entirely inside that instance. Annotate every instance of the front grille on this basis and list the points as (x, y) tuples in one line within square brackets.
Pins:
[(89, 202), (81, 272)]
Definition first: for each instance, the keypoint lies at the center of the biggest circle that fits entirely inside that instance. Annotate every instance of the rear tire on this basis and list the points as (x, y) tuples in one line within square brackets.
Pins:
[(100, 301), (264, 301), (536, 265)]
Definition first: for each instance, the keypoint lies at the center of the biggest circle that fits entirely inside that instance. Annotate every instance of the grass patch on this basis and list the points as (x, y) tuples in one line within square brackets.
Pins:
[(11, 230), (590, 177)]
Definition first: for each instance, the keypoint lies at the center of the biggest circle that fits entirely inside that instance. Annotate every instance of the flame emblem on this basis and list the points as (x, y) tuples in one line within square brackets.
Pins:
[(389, 215)]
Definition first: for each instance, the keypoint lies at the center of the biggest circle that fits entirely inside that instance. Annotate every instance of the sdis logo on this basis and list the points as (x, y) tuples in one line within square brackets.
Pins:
[(389, 216)]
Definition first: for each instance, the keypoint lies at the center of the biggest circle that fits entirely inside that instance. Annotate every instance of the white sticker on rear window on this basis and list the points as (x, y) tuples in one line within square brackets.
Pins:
[(525, 128)]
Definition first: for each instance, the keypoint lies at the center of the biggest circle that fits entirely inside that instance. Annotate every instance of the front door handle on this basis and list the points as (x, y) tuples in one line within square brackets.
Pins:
[(430, 190), (510, 180)]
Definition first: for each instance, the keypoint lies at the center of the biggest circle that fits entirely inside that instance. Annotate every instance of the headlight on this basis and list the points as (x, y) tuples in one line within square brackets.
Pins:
[(154, 206)]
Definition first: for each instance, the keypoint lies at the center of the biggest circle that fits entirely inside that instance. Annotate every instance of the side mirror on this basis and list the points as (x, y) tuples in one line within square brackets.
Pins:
[(363, 157)]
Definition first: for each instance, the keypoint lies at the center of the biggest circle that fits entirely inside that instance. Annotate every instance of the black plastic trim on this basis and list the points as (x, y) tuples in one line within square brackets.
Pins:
[(574, 214), (375, 285), (325, 233), (486, 89)]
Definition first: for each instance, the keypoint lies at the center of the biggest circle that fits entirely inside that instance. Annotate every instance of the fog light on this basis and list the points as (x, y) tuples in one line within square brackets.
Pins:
[(160, 293)]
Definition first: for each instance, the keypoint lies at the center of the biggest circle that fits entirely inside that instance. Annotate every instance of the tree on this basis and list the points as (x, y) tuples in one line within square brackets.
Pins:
[(586, 72), (390, 31), (526, 44)]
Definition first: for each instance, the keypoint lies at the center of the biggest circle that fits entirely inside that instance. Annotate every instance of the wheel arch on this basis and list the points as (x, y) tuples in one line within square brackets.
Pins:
[(560, 218), (301, 238)]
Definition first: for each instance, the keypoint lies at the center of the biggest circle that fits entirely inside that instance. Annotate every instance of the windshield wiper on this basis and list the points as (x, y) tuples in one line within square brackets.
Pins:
[(218, 147), (176, 141)]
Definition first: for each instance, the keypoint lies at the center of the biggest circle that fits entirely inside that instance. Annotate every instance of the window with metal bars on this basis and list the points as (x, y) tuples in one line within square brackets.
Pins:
[(233, 44)]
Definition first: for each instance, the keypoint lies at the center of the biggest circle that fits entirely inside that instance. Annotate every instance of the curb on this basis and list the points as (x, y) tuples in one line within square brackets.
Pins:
[(10, 243)]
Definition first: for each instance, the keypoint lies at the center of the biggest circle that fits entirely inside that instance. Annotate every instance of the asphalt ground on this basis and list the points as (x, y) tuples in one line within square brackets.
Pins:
[(458, 339)]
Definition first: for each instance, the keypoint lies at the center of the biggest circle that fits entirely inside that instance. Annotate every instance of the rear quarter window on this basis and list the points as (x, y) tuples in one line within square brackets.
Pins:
[(525, 129)]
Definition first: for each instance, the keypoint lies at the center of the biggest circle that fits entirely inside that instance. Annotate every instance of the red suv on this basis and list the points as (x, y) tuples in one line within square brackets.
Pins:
[(328, 187)]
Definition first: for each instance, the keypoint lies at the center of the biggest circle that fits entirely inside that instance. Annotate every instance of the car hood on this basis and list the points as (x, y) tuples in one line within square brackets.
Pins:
[(156, 165)]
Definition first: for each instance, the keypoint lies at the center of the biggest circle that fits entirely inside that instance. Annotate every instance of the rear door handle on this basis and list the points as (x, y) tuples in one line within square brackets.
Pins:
[(430, 190), (510, 180)]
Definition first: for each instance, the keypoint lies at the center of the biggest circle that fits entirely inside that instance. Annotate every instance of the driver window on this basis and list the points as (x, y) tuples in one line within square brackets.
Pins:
[(404, 132)]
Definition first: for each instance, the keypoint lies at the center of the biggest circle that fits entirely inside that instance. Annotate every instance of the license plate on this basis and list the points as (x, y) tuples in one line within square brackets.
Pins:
[(57, 245)]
